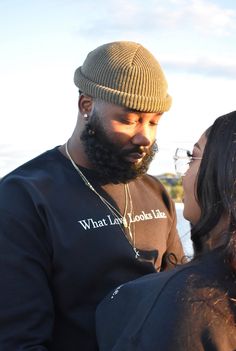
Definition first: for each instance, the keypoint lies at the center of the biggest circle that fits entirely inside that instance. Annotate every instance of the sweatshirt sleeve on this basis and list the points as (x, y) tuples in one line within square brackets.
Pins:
[(26, 305)]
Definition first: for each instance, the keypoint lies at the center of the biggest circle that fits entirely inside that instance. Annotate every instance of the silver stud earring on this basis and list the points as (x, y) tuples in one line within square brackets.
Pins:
[(85, 115), (91, 132)]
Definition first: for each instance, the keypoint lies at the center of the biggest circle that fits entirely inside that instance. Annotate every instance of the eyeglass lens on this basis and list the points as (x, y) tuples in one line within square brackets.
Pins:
[(182, 158)]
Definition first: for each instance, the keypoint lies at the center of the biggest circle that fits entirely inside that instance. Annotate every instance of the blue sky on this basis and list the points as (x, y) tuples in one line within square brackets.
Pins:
[(43, 42)]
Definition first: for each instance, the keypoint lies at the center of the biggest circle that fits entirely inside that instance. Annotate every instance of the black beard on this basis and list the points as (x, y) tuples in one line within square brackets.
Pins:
[(106, 157)]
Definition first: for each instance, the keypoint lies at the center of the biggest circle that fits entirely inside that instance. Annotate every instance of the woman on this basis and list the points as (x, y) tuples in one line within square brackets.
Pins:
[(192, 307)]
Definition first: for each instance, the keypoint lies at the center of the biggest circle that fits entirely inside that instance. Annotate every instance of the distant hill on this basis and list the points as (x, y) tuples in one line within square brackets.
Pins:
[(173, 184)]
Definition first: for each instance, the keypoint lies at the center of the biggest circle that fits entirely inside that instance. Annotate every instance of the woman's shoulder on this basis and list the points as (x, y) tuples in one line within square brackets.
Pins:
[(187, 276), (175, 300), (128, 304)]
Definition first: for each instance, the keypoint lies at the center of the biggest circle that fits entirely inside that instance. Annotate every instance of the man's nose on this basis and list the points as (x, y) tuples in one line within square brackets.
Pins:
[(143, 137)]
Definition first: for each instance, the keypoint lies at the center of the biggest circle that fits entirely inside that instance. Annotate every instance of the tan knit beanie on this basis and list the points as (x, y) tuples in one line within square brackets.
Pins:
[(126, 74)]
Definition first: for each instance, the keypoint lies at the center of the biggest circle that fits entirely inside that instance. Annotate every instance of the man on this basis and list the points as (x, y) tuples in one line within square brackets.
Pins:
[(83, 218)]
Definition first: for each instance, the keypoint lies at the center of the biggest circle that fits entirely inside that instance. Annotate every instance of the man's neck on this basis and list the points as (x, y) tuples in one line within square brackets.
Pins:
[(77, 153)]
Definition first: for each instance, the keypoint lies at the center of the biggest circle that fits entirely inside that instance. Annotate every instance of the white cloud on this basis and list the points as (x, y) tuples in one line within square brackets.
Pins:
[(199, 15), (210, 17), (206, 66)]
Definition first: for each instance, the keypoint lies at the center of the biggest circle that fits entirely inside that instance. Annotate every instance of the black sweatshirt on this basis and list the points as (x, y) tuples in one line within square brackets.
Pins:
[(61, 251), (191, 308)]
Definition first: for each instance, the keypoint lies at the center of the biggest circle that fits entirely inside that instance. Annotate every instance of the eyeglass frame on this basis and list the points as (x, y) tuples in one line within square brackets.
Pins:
[(189, 157)]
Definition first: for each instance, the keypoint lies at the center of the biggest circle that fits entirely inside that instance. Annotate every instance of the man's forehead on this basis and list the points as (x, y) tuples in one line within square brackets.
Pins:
[(123, 109), (130, 110)]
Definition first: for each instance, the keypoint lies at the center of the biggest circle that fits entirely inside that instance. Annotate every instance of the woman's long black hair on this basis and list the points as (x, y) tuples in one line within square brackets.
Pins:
[(216, 185)]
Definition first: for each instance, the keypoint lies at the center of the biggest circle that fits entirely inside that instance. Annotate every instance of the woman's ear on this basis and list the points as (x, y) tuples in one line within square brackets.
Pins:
[(85, 104)]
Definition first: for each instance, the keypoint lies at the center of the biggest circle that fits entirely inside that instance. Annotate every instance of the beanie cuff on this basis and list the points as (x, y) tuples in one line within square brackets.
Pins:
[(128, 100)]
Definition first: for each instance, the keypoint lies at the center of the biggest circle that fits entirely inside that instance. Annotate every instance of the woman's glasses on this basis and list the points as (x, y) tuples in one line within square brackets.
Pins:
[(182, 159)]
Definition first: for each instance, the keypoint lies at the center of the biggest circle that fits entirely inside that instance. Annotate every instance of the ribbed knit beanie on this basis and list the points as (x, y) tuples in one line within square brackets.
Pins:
[(126, 74)]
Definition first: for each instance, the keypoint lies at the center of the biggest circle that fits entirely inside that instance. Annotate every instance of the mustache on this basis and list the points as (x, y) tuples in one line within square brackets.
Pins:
[(140, 150)]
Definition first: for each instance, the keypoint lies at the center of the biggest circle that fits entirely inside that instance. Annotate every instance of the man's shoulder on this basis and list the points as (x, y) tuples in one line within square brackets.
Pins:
[(30, 181), (28, 168), (41, 168), (151, 184), (151, 181)]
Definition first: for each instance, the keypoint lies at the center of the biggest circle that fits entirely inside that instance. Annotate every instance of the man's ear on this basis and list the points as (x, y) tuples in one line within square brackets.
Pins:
[(85, 104)]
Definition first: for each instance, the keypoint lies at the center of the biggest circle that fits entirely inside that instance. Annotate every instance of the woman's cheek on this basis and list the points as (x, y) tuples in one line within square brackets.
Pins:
[(191, 209)]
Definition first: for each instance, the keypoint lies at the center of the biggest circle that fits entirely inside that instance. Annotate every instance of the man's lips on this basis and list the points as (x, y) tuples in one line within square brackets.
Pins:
[(135, 156)]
